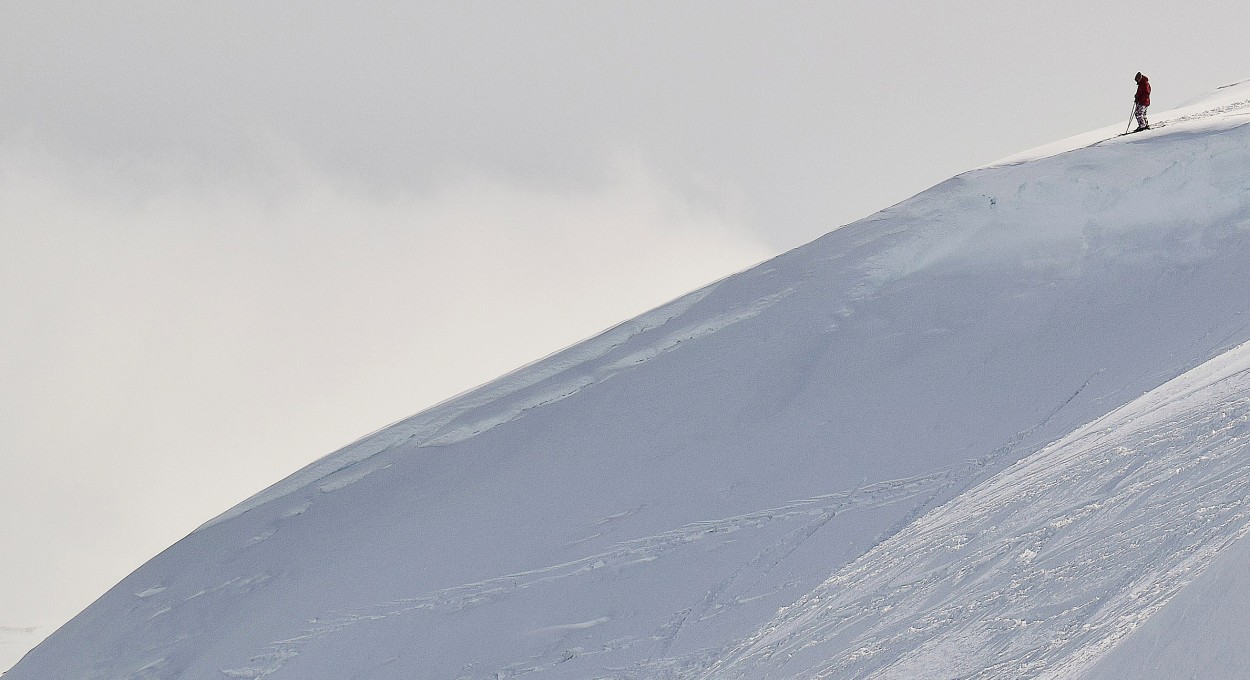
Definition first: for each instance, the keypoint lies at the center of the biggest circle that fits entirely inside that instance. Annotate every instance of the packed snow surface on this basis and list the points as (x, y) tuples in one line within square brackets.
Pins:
[(998, 430)]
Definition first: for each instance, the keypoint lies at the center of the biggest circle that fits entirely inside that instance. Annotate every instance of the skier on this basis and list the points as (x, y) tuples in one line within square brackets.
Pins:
[(1142, 100)]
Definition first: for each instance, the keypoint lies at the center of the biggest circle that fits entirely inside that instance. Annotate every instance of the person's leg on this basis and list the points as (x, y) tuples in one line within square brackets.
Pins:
[(1140, 113)]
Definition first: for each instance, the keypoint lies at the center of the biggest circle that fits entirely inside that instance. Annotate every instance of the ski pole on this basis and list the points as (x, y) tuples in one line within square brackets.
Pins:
[(1131, 113)]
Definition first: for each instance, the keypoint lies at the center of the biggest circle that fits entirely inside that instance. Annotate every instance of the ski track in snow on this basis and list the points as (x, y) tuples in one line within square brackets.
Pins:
[(1136, 505), (812, 514), (1234, 107), (1211, 107)]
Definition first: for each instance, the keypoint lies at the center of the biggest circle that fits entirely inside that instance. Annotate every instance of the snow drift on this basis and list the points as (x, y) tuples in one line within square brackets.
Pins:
[(997, 430)]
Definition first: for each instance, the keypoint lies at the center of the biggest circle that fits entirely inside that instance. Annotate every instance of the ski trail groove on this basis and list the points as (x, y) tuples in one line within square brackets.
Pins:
[(813, 514), (1138, 503)]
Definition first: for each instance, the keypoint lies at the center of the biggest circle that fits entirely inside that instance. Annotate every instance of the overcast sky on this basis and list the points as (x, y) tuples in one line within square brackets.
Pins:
[(235, 236)]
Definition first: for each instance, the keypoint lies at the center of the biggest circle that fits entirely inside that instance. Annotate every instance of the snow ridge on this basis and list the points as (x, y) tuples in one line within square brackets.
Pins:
[(429, 428)]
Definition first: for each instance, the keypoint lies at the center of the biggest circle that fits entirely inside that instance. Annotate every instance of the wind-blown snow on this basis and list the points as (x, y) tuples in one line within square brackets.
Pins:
[(923, 437)]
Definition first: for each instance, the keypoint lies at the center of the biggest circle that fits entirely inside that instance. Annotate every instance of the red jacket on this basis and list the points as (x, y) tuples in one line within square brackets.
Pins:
[(1143, 92)]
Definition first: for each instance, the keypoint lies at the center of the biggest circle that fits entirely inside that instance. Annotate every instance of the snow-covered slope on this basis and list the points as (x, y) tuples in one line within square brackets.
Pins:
[(1042, 569), (858, 431)]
